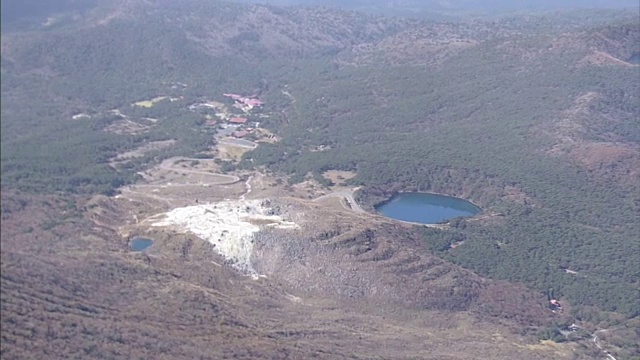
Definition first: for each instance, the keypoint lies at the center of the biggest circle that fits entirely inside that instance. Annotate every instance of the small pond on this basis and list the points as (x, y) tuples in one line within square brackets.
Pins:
[(634, 59), (426, 208), (140, 243)]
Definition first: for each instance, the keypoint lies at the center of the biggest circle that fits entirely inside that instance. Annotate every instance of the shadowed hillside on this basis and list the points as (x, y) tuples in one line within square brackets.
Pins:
[(533, 117)]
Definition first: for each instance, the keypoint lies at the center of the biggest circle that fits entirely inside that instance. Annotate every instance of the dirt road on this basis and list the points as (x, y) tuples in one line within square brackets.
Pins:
[(599, 346), (231, 178), (239, 143), (348, 196)]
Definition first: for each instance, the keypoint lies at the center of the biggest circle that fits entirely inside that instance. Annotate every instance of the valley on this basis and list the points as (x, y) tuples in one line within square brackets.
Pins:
[(255, 146), (326, 284)]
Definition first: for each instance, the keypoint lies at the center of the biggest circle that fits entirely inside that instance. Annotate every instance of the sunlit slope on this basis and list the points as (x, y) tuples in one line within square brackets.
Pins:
[(531, 127)]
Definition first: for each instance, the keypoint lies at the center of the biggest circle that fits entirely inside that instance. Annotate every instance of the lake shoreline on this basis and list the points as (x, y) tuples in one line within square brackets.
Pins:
[(425, 208), (395, 193)]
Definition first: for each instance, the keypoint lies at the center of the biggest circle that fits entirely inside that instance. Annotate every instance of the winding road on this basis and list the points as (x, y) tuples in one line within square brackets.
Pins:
[(229, 179), (239, 143), (348, 196), (248, 186), (599, 346), (232, 178)]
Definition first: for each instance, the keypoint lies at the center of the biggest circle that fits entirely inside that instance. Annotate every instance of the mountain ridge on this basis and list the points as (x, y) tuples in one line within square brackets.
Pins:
[(532, 121)]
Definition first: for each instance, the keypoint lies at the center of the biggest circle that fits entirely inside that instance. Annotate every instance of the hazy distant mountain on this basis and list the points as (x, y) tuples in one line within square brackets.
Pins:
[(485, 5), (534, 118), (429, 7), (16, 9)]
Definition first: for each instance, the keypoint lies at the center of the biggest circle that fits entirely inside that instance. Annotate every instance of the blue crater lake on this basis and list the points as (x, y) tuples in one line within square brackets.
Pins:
[(140, 243), (426, 208)]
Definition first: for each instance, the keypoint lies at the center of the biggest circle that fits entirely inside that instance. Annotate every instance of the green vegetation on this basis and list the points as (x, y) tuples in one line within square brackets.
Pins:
[(487, 121), (44, 150), (51, 74), (73, 155), (477, 125)]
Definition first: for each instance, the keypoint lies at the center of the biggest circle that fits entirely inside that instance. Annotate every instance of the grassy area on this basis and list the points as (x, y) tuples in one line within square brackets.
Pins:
[(149, 103), (230, 152), (338, 177)]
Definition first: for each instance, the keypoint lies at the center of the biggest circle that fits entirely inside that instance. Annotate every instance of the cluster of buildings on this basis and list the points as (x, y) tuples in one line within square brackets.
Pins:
[(245, 103), (233, 125), (240, 122)]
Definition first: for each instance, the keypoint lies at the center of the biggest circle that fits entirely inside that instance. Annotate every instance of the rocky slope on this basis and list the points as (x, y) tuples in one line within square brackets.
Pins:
[(342, 292)]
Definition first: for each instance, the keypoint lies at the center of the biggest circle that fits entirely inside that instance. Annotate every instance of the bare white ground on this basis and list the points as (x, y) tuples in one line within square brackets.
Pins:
[(229, 225)]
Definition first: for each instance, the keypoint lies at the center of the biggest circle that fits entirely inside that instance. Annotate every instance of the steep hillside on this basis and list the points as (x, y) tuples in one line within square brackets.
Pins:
[(510, 118), (71, 287), (535, 123), (125, 52)]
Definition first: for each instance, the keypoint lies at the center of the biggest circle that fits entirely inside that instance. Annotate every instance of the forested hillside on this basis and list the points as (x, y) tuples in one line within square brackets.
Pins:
[(538, 124), (502, 123), (126, 52)]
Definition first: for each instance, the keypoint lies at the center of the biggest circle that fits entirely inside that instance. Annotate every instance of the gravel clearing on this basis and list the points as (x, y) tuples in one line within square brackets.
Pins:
[(229, 225)]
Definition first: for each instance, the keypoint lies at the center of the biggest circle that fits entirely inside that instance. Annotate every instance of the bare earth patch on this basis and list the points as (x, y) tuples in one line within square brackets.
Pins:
[(338, 177), (229, 226), (517, 195), (559, 350), (600, 58), (615, 159), (265, 136), (230, 152), (598, 155), (125, 157), (126, 126), (180, 171), (149, 103)]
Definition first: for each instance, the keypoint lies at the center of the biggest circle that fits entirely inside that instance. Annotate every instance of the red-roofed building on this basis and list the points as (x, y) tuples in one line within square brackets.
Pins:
[(240, 134), (253, 102), (238, 120), (555, 305)]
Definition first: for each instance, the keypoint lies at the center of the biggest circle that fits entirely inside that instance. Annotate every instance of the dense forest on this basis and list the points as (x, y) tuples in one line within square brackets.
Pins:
[(44, 149), (475, 126), (508, 120)]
